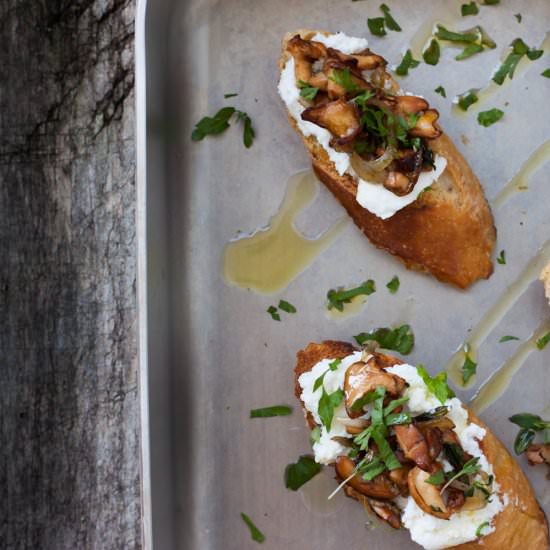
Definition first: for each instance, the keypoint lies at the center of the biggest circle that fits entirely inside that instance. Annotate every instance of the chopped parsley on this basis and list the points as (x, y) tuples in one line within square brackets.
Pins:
[(481, 527), (227, 96), (268, 412), (286, 306), (436, 385), (546, 73), (529, 424), (306, 91), (431, 53), (441, 91), (211, 126), (343, 78), (541, 342), (508, 66), (502, 256), (376, 26), (523, 440), (468, 51), (467, 99), (486, 119), (436, 479), (445, 34), (518, 17), (471, 467), (469, 9), (393, 285), (255, 533), (491, 2), (507, 339), (315, 435), (327, 404), (337, 298), (400, 339), (468, 369), (272, 310), (298, 473), (391, 23), (408, 62)]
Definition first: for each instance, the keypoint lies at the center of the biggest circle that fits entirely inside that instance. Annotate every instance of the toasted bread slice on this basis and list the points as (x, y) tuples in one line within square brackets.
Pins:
[(448, 231), (520, 525)]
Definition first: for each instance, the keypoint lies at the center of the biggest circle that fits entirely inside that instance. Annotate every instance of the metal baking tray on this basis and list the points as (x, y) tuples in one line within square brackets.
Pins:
[(209, 352)]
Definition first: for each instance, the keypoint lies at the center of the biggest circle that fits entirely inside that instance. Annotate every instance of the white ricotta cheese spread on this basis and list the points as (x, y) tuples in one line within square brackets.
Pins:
[(372, 196)]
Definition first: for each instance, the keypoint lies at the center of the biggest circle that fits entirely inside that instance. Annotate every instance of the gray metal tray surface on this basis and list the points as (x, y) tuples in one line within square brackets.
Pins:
[(210, 352)]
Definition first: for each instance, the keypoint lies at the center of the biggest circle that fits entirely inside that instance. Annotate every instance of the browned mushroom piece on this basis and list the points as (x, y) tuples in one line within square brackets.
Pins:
[(410, 104), (362, 378), (367, 61), (414, 445), (538, 453), (339, 117), (435, 442), (455, 499), (409, 163), (387, 512), (398, 183), (426, 126), (426, 495), (443, 423), (309, 49), (379, 487), (400, 477)]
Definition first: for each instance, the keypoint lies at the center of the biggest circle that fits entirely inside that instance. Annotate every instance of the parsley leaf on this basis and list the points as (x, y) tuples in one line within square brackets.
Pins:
[(436, 479), (227, 96), (400, 339), (386, 454), (471, 467), (327, 404), (335, 364), (248, 131), (502, 256), (523, 440), (441, 91), (508, 66), (507, 339), (546, 73), (468, 51), (393, 285), (286, 306), (491, 2), (541, 342), (436, 385), (268, 412), (376, 26), (365, 400), (301, 472), (343, 78), (272, 310), (339, 297), (315, 435), (467, 99), (469, 9), (468, 369), (319, 382), (213, 125), (408, 62), (529, 421), (362, 99), (255, 533), (518, 17), (432, 52), (369, 469), (306, 91), (481, 527), (486, 119), (451, 36), (391, 23)]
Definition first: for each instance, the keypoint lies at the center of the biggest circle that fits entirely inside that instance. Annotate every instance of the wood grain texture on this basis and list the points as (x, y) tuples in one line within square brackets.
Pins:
[(69, 407)]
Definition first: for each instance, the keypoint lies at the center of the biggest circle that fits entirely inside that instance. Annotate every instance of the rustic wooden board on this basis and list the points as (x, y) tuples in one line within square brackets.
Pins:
[(69, 407)]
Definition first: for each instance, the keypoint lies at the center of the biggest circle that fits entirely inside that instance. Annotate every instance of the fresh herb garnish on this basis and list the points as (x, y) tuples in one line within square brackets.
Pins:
[(491, 2), (436, 479), (268, 412), (518, 17), (227, 96), (488, 118), (376, 26), (393, 285), (298, 473), (362, 99), (399, 339), (546, 73), (529, 424), (469, 9), (391, 23), (306, 91), (523, 440), (454, 454), (272, 310), (286, 306), (436, 385), (508, 66), (408, 62), (211, 126), (471, 467), (327, 404), (502, 256), (333, 365), (398, 418), (319, 382), (445, 34), (481, 527), (541, 342), (369, 469), (468, 369), (365, 400), (441, 91), (255, 533), (343, 78), (432, 52), (467, 99), (386, 454), (468, 51), (438, 412), (315, 435), (507, 339), (337, 298)]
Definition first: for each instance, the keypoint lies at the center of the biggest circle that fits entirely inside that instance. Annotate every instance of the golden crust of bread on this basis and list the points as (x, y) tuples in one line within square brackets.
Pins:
[(448, 231), (521, 524)]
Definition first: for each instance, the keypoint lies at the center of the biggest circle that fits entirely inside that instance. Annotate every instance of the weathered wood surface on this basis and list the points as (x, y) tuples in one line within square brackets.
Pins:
[(69, 408)]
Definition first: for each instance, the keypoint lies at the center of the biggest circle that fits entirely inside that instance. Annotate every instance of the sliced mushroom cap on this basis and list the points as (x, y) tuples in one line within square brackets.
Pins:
[(309, 49), (426, 495), (410, 104), (414, 445), (366, 60), (476, 502), (443, 423), (538, 453), (398, 183), (426, 125), (400, 478), (339, 117), (386, 511), (379, 487), (435, 442), (362, 378)]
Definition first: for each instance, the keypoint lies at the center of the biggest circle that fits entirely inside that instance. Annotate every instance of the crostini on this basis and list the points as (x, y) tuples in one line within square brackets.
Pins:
[(404, 446), (383, 155)]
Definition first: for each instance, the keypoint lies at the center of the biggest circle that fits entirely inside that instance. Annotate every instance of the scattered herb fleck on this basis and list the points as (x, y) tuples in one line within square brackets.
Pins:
[(481, 527), (468, 369), (437, 384), (491, 2), (255, 533), (268, 412), (468, 51), (393, 285), (518, 17), (301, 472), (211, 126), (486, 119), (227, 96), (445, 34), (327, 404), (529, 424), (306, 91), (376, 26), (333, 366), (469, 9), (436, 479), (507, 339), (272, 310), (508, 66), (391, 23), (432, 52), (408, 62), (286, 306), (502, 256), (337, 298), (541, 342), (546, 73), (343, 78), (441, 91), (467, 99), (400, 339)]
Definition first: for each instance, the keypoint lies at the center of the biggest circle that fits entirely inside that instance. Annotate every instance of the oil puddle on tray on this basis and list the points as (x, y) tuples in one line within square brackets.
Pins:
[(269, 259), (315, 495), (351, 309)]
